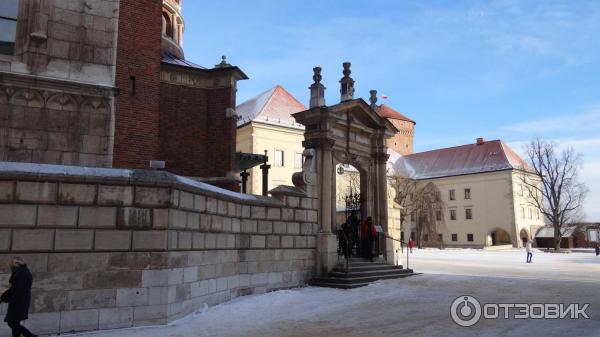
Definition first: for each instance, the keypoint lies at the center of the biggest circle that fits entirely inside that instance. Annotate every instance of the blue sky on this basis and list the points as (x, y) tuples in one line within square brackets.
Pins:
[(512, 70)]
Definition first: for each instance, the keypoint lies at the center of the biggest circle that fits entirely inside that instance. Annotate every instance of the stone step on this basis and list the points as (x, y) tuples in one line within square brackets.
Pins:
[(355, 274), (348, 283), (352, 268)]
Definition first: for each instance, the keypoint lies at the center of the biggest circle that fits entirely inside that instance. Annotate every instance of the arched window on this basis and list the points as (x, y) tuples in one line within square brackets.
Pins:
[(167, 24)]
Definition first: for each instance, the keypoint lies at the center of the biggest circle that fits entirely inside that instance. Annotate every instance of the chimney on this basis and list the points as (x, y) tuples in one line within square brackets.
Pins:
[(317, 90), (480, 141), (347, 84)]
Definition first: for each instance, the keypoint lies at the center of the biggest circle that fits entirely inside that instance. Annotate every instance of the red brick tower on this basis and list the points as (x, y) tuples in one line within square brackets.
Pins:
[(402, 142), (170, 108)]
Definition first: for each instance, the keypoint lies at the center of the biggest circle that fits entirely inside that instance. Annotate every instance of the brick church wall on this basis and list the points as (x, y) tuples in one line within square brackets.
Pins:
[(113, 248), (197, 139), (138, 61)]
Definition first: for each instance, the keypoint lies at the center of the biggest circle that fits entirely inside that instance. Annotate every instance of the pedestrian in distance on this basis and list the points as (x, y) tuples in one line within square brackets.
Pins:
[(529, 251), (597, 250), (411, 244), (18, 297), (367, 235)]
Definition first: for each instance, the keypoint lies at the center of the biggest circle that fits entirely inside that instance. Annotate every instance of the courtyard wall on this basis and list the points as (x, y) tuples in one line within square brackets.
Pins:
[(113, 248)]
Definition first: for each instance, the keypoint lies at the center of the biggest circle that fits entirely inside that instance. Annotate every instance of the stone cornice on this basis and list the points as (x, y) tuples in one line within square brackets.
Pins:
[(54, 84), (201, 78)]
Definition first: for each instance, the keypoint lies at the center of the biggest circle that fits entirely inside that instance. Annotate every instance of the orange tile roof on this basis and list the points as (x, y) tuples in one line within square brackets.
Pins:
[(275, 105), (493, 155), (387, 112)]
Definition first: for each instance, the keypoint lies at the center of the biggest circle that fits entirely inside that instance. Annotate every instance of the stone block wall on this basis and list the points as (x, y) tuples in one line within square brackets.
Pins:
[(113, 248), (56, 91)]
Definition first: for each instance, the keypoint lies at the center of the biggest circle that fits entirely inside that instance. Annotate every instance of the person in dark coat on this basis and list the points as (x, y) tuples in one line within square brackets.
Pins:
[(355, 229), (18, 297), (367, 235), (597, 250)]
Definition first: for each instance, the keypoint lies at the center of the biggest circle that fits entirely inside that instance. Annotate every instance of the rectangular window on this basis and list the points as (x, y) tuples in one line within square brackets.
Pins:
[(425, 237), (467, 193), (454, 237), (470, 237), (452, 214), (468, 214), (279, 158), (412, 216), (298, 160), (452, 196), (438, 215), (8, 26), (530, 213), (523, 212), (132, 86)]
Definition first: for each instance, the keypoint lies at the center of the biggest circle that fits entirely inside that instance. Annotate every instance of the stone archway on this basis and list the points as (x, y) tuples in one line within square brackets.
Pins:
[(524, 235), (350, 132), (498, 237)]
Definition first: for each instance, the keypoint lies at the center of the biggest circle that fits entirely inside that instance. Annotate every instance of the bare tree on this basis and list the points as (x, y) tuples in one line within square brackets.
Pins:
[(351, 180), (425, 205), (551, 184)]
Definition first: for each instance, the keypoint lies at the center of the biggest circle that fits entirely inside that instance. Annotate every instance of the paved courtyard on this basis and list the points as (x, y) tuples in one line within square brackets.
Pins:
[(415, 306)]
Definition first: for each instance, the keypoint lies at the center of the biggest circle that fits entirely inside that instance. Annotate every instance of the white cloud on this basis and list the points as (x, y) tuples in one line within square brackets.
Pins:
[(586, 121)]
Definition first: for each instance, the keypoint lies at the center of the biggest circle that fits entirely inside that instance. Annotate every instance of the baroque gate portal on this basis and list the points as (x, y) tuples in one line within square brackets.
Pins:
[(350, 132)]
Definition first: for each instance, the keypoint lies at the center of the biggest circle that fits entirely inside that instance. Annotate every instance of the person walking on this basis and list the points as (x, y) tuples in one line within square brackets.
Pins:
[(411, 244), (597, 250), (367, 235), (18, 297), (529, 251)]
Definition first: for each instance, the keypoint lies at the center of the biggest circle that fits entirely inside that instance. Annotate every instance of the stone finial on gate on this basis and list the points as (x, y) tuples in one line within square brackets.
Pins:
[(373, 100), (347, 84), (317, 90)]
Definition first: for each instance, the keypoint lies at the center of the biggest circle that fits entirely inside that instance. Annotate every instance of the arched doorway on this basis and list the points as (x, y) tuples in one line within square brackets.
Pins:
[(524, 235), (499, 237), (350, 132)]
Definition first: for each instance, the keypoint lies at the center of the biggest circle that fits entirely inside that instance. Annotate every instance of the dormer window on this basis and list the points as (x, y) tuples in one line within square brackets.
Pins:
[(8, 26)]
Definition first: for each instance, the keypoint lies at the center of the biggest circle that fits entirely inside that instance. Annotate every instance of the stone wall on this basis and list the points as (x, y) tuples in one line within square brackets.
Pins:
[(113, 248), (56, 92)]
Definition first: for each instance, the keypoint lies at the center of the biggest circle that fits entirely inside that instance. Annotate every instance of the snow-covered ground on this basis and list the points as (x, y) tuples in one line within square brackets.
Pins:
[(416, 306), (507, 263)]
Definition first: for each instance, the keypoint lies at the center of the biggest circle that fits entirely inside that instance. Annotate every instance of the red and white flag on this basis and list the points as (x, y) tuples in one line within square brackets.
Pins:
[(383, 96)]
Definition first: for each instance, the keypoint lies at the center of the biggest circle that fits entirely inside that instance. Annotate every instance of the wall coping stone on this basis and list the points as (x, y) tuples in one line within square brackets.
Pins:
[(137, 177)]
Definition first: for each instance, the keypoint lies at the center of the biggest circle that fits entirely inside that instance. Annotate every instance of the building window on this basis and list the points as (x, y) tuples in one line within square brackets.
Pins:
[(452, 196), (412, 216), (298, 160), (425, 237), (523, 212), (467, 193), (470, 237), (279, 158), (454, 237), (452, 214), (167, 28), (468, 214), (132, 86), (438, 215), (8, 26), (530, 213)]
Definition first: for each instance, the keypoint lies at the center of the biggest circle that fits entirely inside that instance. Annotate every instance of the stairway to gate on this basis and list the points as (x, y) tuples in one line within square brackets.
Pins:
[(360, 273)]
